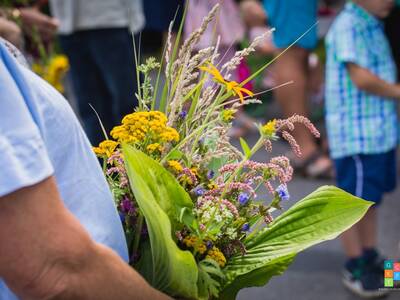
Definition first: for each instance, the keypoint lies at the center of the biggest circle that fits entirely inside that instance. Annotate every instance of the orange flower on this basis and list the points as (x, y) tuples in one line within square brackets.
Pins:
[(238, 90), (230, 85)]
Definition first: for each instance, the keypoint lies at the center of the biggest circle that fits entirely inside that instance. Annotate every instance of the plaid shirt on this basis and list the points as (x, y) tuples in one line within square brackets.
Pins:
[(358, 122)]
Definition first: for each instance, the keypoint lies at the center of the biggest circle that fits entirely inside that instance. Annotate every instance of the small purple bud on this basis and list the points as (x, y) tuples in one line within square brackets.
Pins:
[(243, 198), (209, 244), (126, 205), (210, 174), (182, 114), (245, 227), (199, 191), (283, 193)]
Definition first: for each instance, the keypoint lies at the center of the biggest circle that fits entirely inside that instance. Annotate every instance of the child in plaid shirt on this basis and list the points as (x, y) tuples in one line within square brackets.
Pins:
[(361, 94)]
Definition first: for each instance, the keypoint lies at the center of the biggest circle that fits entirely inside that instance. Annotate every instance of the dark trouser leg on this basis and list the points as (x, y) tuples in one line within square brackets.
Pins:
[(88, 84), (112, 49)]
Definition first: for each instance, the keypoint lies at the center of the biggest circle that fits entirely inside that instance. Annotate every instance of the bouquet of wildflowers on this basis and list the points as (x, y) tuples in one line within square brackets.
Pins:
[(187, 197)]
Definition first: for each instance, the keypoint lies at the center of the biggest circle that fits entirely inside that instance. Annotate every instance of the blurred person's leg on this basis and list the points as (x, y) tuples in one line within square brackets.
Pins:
[(113, 52), (88, 84), (293, 66), (368, 229), (351, 243)]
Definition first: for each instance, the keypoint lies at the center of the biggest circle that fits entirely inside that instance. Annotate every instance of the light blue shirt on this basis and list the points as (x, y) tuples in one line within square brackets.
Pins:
[(358, 122), (40, 137)]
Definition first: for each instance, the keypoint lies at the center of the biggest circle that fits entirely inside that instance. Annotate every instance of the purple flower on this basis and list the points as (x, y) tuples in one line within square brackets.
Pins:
[(246, 227), (282, 192), (127, 206), (243, 198), (199, 191), (182, 114), (209, 244), (210, 174)]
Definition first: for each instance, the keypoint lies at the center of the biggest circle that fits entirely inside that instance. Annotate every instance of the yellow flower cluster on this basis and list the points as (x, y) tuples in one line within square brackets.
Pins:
[(212, 185), (269, 129), (228, 115), (193, 242), (54, 71), (105, 148), (145, 126), (216, 254), (175, 166), (156, 147)]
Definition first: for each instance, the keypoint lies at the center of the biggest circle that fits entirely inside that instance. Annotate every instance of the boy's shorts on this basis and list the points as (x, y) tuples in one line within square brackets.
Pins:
[(367, 176)]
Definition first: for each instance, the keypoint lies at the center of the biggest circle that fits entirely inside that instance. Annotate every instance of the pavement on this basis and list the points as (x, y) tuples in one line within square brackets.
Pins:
[(316, 273)]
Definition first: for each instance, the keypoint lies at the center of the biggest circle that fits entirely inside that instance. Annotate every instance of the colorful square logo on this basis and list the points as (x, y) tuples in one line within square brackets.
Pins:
[(396, 276), (388, 282), (388, 273), (396, 267), (391, 274), (388, 264)]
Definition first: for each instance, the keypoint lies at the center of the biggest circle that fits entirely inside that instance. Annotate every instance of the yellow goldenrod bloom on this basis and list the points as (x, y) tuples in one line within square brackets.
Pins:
[(269, 129), (217, 255), (193, 242), (54, 71), (105, 148), (228, 115), (150, 126), (175, 166), (212, 186), (156, 147)]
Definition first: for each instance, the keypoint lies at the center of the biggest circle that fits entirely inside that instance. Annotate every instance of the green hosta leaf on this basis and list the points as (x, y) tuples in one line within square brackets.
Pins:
[(320, 216), (171, 270), (246, 148), (210, 276), (257, 277), (167, 192)]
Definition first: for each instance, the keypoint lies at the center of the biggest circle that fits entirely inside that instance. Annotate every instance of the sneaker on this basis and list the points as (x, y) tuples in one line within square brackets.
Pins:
[(364, 282), (375, 263)]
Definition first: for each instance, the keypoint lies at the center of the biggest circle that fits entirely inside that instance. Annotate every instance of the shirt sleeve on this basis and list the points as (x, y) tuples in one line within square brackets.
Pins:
[(350, 45), (23, 156)]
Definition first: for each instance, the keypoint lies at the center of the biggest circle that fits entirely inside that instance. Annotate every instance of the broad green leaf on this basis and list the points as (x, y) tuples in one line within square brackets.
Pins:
[(173, 271), (210, 276), (257, 277), (167, 192), (320, 216), (245, 147), (174, 155)]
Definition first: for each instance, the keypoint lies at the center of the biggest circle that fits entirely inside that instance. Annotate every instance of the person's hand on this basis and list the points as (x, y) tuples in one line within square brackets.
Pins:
[(253, 13), (397, 91), (33, 18), (10, 32)]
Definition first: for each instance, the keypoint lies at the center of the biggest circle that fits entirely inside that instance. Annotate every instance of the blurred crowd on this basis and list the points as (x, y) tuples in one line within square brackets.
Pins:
[(96, 37)]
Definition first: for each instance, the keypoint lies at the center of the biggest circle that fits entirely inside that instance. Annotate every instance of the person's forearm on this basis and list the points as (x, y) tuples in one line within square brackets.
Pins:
[(368, 82), (106, 276), (45, 253)]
